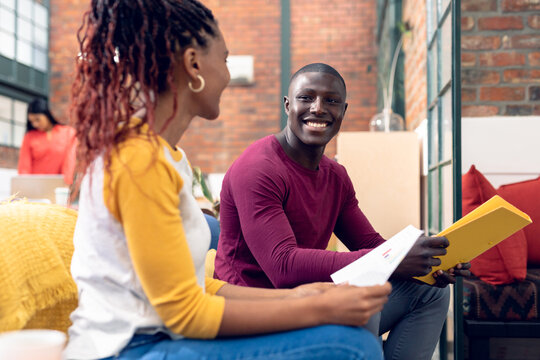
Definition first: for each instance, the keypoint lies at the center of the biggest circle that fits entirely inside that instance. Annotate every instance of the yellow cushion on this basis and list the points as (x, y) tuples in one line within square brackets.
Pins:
[(37, 290)]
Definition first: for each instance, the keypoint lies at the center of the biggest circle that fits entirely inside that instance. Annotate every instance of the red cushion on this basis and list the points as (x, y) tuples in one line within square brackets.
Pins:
[(525, 196), (507, 261)]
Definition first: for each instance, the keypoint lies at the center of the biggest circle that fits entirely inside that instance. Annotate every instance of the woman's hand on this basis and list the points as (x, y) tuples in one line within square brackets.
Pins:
[(443, 278), (422, 257), (310, 289), (352, 305)]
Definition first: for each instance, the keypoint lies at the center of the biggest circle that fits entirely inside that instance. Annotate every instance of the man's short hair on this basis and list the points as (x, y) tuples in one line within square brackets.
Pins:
[(322, 68)]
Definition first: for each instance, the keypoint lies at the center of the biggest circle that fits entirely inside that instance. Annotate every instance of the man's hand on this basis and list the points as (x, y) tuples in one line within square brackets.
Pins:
[(421, 258), (443, 278)]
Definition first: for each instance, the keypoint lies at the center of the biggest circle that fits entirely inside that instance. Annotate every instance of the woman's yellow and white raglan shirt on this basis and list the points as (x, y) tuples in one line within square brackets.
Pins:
[(140, 246)]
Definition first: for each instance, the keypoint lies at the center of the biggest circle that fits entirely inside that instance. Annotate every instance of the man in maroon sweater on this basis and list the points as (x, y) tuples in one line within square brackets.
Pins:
[(282, 199)]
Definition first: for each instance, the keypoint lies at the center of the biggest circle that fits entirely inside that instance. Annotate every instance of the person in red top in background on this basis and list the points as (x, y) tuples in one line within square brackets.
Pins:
[(48, 146)]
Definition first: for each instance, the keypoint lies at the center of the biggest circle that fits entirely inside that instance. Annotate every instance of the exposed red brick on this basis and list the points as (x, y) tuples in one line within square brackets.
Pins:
[(518, 110), (501, 59), (500, 23), (9, 157), (475, 77), (517, 76), (478, 5), (414, 13), (468, 59), (468, 94), (502, 93), (479, 110), (467, 23), (527, 41), (534, 21), (477, 42), (536, 110), (534, 93), (534, 58), (520, 5)]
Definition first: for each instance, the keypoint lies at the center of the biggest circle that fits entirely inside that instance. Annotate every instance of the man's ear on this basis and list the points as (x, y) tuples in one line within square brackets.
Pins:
[(345, 109), (190, 62), (286, 104)]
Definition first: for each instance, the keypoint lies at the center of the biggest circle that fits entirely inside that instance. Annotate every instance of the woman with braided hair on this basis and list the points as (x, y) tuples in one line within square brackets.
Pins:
[(146, 68)]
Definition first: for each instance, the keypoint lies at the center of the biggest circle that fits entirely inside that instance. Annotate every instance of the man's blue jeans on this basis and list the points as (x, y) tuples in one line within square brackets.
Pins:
[(318, 343)]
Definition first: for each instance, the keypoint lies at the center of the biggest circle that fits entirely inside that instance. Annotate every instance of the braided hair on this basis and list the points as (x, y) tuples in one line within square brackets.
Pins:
[(126, 57)]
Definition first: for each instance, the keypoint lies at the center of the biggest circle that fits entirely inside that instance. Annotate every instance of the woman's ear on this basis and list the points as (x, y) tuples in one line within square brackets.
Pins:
[(190, 61)]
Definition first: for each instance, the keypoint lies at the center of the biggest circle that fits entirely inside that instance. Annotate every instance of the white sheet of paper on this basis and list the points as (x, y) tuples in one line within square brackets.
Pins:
[(375, 267)]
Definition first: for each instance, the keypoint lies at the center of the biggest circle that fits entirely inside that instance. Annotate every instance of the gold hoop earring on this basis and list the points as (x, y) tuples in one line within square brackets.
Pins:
[(200, 88)]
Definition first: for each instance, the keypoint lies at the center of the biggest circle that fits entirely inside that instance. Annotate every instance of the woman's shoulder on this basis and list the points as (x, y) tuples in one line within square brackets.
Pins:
[(65, 129)]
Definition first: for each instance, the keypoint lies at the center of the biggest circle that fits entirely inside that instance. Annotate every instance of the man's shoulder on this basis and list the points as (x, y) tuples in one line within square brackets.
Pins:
[(259, 155), (334, 167)]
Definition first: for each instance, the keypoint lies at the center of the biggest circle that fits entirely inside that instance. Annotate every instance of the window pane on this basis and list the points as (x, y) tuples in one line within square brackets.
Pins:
[(432, 66), (445, 4), (25, 8), (24, 53), (446, 50), (24, 29), (7, 20), (5, 133), (40, 37), (447, 197), (20, 112), (432, 20), (433, 179), (433, 136), (40, 15), (5, 108), (9, 4), (8, 45), (18, 135), (446, 118), (40, 59)]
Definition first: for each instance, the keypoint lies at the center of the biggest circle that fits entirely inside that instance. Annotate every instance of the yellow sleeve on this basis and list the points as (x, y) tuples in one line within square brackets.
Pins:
[(213, 285), (142, 192)]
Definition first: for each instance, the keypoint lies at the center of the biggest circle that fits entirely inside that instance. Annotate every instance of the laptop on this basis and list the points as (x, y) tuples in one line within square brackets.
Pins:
[(36, 187)]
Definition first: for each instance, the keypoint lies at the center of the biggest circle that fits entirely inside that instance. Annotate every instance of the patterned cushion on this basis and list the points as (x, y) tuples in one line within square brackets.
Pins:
[(517, 301)]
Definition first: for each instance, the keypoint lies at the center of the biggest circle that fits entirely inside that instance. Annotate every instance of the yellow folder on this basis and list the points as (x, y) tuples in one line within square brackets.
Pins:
[(478, 231)]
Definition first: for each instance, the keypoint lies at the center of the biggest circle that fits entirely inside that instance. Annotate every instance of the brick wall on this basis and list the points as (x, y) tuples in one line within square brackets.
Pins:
[(247, 113), (500, 57), (414, 47), (341, 35)]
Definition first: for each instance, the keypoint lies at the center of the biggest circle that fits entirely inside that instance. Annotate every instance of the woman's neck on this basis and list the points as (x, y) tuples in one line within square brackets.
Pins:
[(173, 131)]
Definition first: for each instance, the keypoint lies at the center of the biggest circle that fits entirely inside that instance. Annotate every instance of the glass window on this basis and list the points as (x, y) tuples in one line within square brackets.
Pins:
[(432, 76), (433, 136), (7, 20), (12, 121), (40, 37), (447, 191), (24, 29), (434, 224), (446, 51), (25, 8), (24, 52), (10, 4), (446, 126), (8, 45), (40, 59), (6, 112), (40, 15), (19, 112), (18, 135), (5, 133)]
